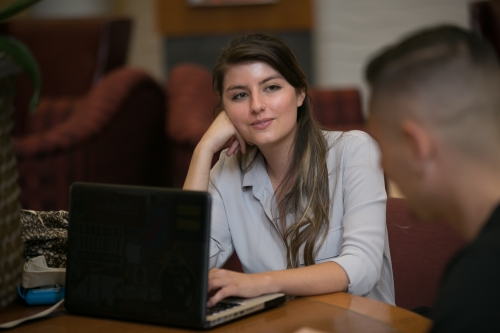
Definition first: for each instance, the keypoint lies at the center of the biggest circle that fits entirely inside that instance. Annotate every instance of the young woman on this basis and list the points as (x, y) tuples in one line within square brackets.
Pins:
[(303, 208)]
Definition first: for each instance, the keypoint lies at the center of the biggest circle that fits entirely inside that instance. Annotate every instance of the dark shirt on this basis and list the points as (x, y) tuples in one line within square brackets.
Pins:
[(469, 300)]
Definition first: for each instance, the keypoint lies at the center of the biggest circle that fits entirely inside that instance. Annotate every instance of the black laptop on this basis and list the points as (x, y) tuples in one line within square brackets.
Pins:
[(141, 254)]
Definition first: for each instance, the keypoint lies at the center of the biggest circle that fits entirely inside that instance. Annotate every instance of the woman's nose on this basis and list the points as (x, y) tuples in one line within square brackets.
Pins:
[(258, 105)]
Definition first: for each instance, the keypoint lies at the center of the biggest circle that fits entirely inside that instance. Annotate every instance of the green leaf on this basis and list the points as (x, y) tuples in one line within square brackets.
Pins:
[(16, 7), (21, 55)]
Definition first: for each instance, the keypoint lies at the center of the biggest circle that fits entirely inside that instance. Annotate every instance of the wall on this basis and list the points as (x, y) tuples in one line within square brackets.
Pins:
[(179, 19), (197, 34), (347, 32), (70, 8), (146, 45)]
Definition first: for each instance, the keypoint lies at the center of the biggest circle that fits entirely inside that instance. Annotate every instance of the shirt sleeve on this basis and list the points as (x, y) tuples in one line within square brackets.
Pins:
[(364, 202), (221, 245)]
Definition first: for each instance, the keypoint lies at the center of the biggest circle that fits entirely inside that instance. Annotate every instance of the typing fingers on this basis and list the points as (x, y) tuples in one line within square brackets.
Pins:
[(227, 283), (219, 280)]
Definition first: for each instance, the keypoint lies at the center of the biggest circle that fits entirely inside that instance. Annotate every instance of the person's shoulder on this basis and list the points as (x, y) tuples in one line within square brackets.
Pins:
[(486, 247), (352, 144), (477, 264), (468, 299), (354, 137), (480, 256)]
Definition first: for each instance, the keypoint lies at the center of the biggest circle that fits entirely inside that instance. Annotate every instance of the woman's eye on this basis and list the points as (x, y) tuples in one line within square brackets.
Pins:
[(273, 88), (239, 96)]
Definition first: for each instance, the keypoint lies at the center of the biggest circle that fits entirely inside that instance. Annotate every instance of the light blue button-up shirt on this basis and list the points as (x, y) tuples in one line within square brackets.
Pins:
[(242, 216)]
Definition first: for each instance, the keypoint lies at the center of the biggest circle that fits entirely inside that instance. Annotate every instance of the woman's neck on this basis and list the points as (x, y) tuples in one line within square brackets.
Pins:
[(277, 164), (278, 157)]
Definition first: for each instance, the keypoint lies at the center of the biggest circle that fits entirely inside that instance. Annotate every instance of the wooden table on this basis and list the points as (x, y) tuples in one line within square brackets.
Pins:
[(337, 312)]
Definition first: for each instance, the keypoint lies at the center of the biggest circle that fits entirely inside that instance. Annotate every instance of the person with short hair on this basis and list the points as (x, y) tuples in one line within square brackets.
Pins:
[(434, 109), (303, 208)]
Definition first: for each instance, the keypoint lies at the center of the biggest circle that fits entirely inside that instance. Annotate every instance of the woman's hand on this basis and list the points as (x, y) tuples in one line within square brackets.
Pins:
[(223, 133), (316, 279), (227, 283)]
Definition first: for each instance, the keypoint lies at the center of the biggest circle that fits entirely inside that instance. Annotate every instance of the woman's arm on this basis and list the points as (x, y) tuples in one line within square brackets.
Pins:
[(311, 280), (221, 132), (364, 224)]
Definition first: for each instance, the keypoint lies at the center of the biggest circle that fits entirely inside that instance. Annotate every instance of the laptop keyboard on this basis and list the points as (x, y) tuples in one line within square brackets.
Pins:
[(221, 306)]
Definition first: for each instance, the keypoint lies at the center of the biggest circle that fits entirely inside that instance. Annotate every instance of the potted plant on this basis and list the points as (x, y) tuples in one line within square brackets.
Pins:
[(14, 58)]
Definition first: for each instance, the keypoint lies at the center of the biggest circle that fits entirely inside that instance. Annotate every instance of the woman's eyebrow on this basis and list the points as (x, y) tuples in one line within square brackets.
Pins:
[(277, 76), (236, 88)]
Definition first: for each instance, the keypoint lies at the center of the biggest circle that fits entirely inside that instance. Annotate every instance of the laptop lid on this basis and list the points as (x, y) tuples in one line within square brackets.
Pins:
[(138, 253)]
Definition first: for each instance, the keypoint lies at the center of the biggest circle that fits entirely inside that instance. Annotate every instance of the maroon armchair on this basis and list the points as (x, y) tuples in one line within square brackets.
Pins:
[(189, 113), (112, 134), (338, 109), (73, 55), (191, 101), (420, 252)]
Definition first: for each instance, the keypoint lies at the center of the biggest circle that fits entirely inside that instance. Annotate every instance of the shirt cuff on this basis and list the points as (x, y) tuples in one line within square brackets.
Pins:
[(357, 274)]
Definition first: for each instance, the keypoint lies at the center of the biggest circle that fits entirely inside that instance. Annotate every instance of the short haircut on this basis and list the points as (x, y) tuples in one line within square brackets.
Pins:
[(425, 52), (446, 77)]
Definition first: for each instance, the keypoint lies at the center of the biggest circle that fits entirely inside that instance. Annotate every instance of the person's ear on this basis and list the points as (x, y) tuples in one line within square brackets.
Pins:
[(420, 143), (301, 95)]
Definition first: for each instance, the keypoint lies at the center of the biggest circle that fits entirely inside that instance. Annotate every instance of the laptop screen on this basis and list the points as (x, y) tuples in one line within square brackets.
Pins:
[(138, 253)]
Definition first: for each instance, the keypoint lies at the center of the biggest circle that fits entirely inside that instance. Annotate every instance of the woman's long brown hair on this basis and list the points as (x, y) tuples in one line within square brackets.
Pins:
[(305, 187)]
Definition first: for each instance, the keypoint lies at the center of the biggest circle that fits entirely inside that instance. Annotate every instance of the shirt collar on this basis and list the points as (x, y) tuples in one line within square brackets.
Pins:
[(257, 178)]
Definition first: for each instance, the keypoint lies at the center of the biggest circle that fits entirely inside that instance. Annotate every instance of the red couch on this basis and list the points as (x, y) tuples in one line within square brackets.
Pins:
[(113, 134)]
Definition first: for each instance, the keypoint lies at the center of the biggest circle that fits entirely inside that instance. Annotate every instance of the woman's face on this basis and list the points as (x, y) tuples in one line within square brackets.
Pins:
[(261, 104)]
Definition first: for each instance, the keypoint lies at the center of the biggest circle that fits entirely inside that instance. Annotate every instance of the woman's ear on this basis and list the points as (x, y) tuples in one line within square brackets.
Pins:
[(301, 95)]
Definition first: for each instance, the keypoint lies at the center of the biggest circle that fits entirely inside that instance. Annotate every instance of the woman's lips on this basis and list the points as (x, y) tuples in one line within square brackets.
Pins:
[(262, 123)]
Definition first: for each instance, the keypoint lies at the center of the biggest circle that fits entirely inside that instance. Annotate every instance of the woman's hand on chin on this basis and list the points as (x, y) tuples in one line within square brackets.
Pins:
[(227, 283), (222, 133)]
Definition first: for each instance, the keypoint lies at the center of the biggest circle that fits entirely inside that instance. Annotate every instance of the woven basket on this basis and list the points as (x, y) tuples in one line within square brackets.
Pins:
[(11, 244)]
